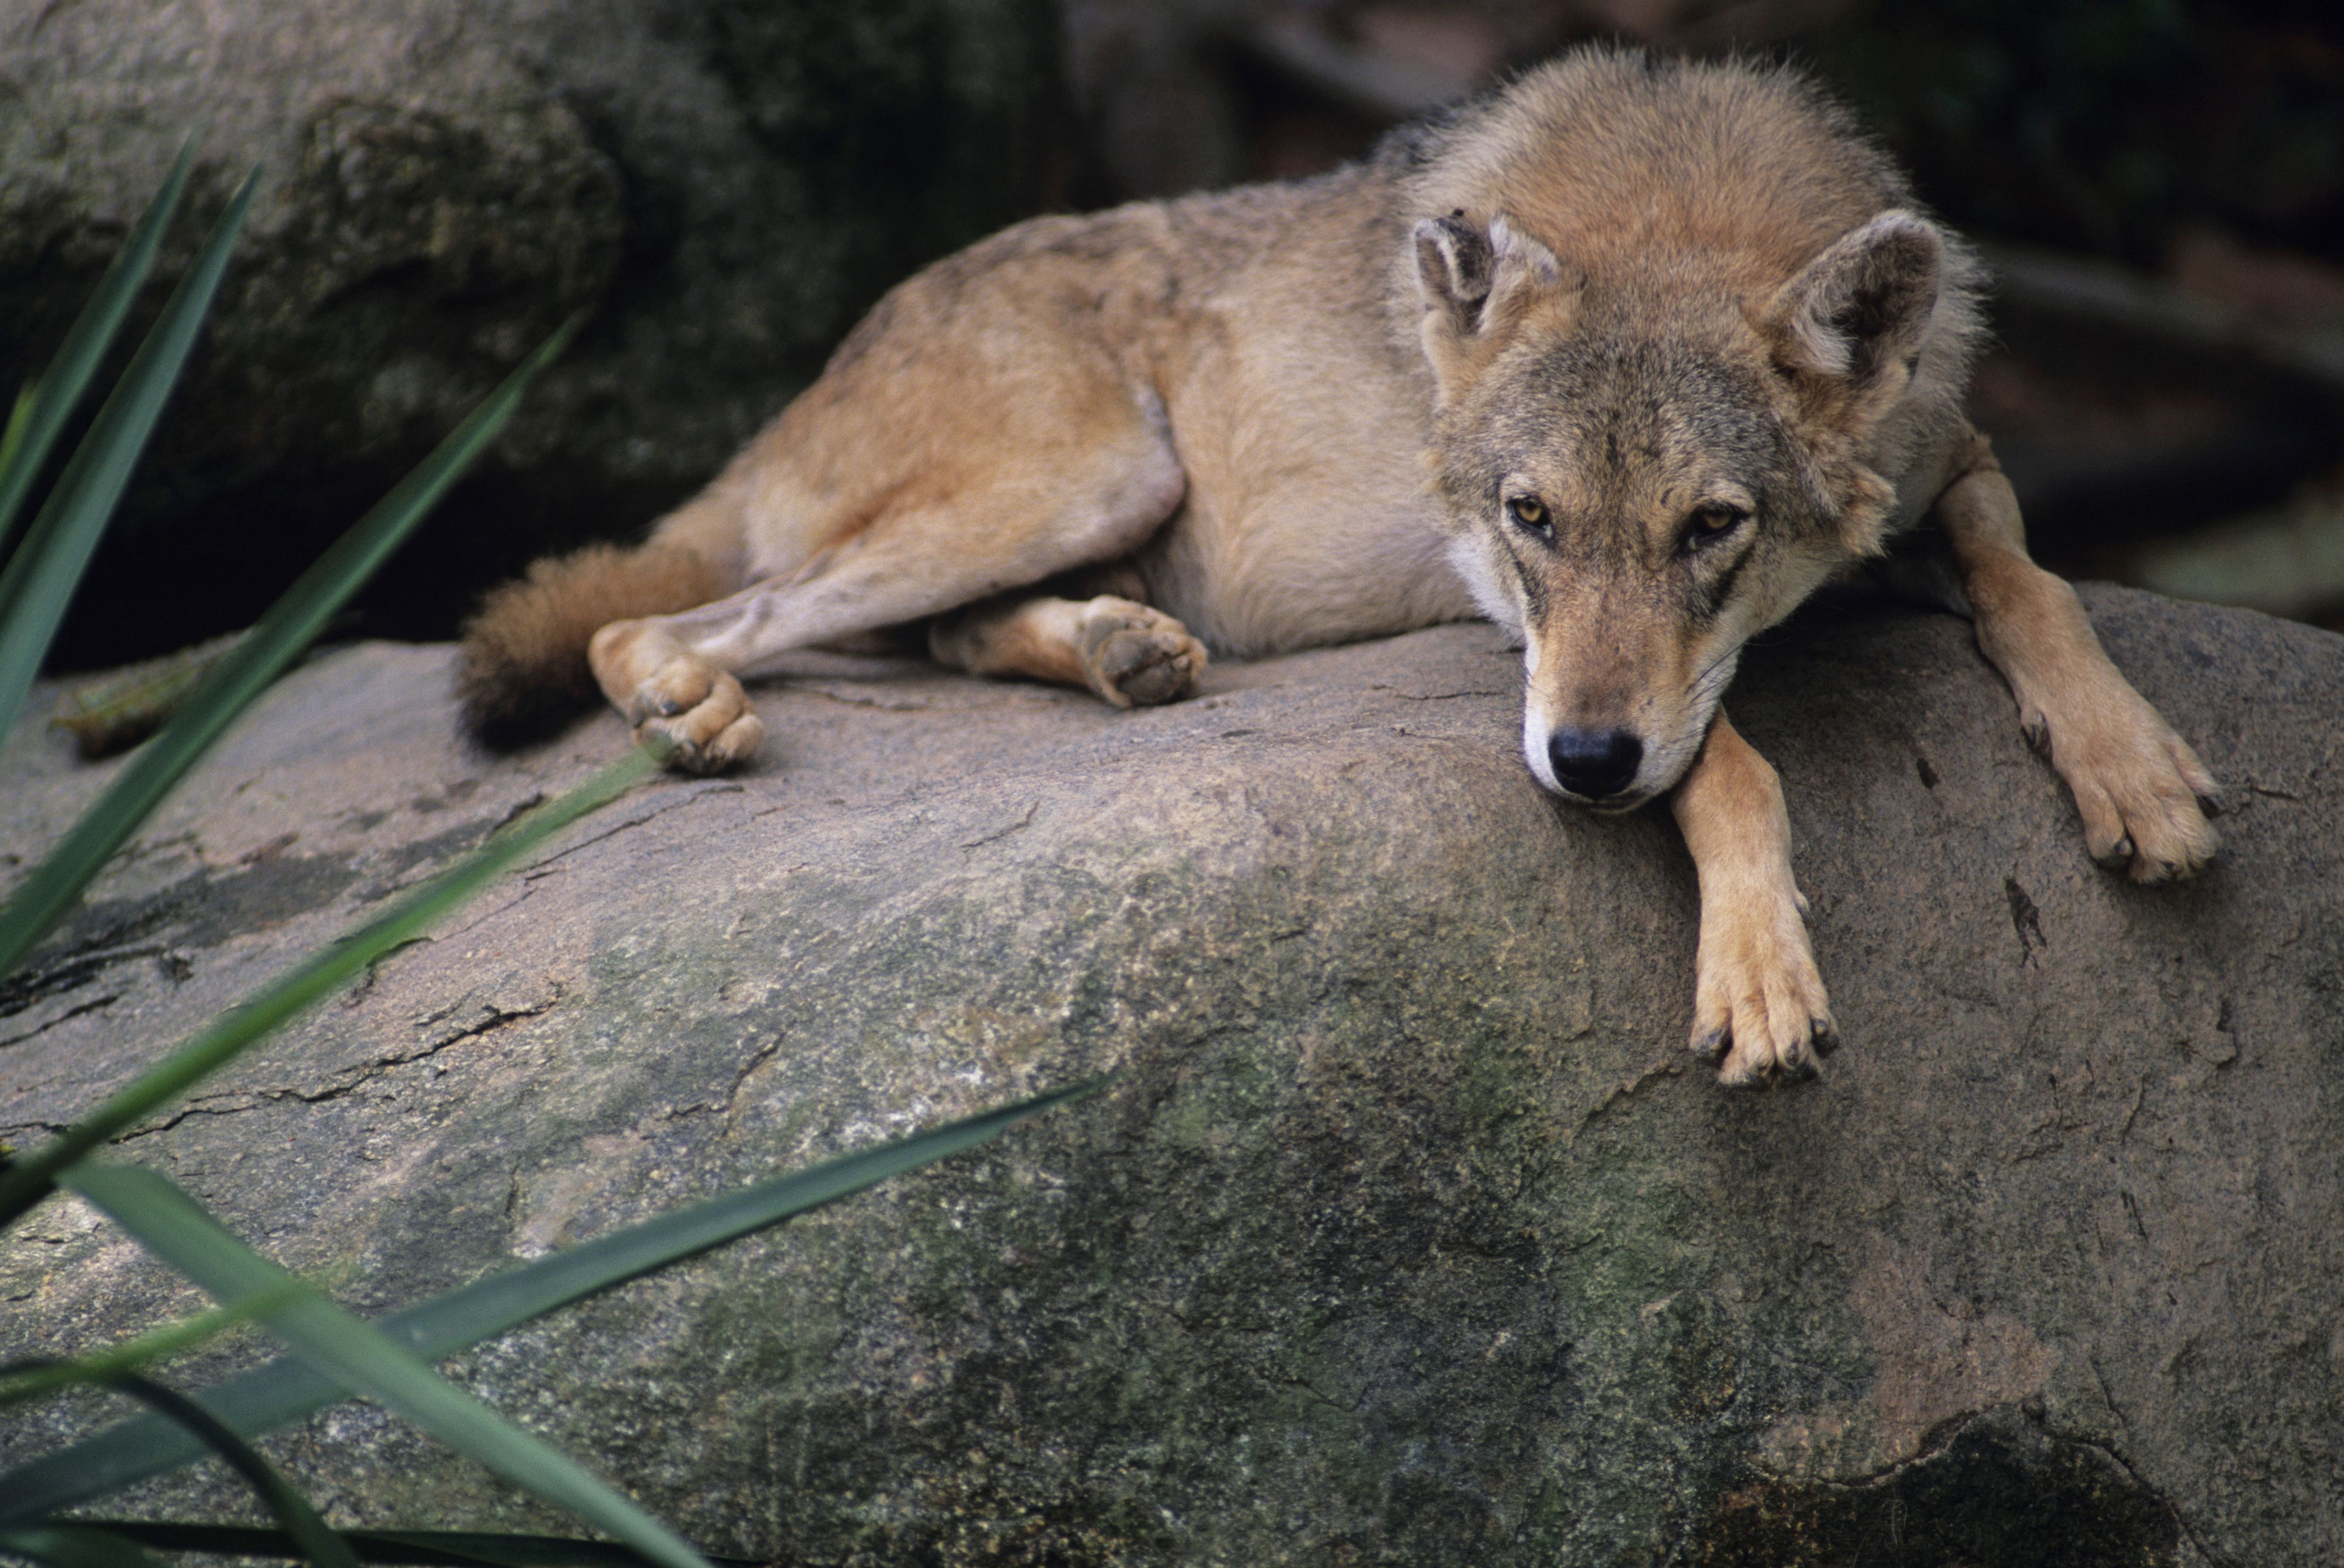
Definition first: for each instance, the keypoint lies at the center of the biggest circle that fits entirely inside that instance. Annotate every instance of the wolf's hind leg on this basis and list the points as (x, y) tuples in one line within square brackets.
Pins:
[(524, 668), (1098, 633), (1758, 1006), (2142, 792), (1052, 490)]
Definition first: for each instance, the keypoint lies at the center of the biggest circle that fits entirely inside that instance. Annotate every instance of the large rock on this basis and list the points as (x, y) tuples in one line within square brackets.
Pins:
[(1408, 1234), (726, 184)]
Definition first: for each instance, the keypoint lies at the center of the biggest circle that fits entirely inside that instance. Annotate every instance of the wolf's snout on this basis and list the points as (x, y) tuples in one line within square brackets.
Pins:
[(1595, 764)]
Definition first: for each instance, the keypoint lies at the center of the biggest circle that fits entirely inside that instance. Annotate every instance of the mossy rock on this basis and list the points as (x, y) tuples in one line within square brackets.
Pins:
[(1409, 1232)]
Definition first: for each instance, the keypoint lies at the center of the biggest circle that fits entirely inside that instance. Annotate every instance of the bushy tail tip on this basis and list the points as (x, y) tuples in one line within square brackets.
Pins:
[(522, 672)]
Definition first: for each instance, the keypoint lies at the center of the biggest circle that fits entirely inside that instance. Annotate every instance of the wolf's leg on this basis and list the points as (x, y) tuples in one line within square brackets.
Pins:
[(997, 514), (1097, 632), (524, 672), (2142, 792), (1759, 1004)]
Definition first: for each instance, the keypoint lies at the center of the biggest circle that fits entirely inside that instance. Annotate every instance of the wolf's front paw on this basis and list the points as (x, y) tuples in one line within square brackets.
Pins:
[(1135, 656), (1758, 1008), (700, 710), (2142, 792)]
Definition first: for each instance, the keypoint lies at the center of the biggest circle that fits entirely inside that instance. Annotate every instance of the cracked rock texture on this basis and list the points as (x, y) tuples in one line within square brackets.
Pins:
[(1408, 1233), (725, 184)]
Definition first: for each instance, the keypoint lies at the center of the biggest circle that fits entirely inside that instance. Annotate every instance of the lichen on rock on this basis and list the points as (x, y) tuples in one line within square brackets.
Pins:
[(1409, 1232)]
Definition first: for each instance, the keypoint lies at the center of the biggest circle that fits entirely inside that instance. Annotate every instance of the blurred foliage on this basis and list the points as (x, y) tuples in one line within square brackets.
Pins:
[(932, 122), (2106, 124)]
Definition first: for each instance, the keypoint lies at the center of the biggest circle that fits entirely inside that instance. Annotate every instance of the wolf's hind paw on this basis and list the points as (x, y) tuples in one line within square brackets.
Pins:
[(701, 711), (1135, 656)]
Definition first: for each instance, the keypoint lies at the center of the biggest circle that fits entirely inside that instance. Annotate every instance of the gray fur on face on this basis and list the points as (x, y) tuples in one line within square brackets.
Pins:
[(1633, 610)]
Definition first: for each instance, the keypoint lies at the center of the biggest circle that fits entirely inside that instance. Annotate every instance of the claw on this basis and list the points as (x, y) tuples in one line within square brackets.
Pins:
[(2146, 800)]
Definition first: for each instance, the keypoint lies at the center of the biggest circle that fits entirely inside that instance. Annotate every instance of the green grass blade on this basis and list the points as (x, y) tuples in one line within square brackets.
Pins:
[(26, 1381), (25, 1181), (422, 1548), (286, 1390), (115, 711), (301, 1524), (75, 1546), (288, 628), (12, 439), (40, 577), (180, 1230), (44, 407)]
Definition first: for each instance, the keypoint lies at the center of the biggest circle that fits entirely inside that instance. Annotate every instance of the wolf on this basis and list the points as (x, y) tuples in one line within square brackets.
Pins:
[(1629, 357)]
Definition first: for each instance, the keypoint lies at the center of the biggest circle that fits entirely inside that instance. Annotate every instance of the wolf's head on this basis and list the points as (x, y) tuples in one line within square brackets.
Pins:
[(1642, 472)]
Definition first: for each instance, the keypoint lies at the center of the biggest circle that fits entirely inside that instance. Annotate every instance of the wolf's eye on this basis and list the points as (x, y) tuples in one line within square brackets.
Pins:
[(1530, 513), (1710, 523)]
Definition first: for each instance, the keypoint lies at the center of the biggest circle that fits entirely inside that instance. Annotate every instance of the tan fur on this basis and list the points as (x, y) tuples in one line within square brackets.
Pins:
[(1126, 652), (525, 669), (1758, 1003), (2142, 792), (1629, 357)]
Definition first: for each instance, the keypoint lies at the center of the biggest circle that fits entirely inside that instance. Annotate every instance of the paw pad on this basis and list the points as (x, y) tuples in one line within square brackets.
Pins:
[(1138, 657)]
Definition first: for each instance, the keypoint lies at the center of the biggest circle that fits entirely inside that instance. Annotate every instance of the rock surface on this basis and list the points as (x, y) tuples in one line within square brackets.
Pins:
[(1408, 1233), (726, 184)]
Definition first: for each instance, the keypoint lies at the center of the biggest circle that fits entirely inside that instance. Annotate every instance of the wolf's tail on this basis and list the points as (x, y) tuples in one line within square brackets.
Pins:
[(521, 673)]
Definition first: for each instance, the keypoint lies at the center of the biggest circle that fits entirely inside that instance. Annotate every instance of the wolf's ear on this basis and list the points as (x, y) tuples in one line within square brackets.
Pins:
[(1853, 320), (1477, 288)]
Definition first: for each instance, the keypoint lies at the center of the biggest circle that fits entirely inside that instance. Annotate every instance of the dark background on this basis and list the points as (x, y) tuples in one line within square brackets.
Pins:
[(2161, 184)]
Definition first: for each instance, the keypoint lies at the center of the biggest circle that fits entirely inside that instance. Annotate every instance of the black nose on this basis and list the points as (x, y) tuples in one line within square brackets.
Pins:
[(1597, 763)]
